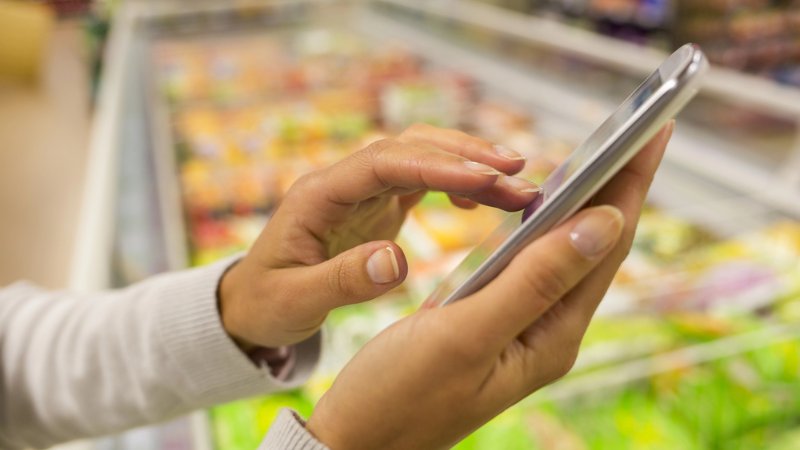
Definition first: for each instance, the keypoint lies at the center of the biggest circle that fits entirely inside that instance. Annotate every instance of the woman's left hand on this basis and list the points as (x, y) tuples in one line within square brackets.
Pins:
[(330, 242)]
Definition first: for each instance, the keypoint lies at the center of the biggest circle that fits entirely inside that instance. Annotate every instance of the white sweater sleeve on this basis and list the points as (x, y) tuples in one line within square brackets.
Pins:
[(75, 366), (288, 432)]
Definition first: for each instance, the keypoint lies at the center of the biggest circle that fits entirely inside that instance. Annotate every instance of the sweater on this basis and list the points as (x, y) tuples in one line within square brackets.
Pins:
[(84, 365)]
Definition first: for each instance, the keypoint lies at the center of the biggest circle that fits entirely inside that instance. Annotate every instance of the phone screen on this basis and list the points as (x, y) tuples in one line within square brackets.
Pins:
[(574, 164)]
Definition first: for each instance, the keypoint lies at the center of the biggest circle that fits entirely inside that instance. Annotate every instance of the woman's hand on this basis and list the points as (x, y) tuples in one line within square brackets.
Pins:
[(434, 377), (330, 242)]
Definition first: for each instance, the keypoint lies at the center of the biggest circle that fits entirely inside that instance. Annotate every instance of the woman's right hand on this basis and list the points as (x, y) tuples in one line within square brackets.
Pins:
[(439, 374)]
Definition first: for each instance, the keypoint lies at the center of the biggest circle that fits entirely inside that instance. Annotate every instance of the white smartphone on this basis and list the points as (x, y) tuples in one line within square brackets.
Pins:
[(658, 99)]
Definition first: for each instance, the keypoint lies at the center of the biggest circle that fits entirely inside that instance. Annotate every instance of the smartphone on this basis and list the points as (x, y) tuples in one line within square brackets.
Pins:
[(658, 99)]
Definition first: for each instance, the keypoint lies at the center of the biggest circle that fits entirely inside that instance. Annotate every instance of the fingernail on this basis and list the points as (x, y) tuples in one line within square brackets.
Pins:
[(482, 169), (507, 153), (521, 185), (382, 266), (597, 232)]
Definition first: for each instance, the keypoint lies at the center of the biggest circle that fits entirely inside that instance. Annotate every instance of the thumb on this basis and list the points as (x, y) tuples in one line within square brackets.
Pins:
[(361, 273), (544, 272)]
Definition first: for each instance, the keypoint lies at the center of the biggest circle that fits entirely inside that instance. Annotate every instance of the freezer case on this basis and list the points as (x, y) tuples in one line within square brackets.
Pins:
[(209, 112)]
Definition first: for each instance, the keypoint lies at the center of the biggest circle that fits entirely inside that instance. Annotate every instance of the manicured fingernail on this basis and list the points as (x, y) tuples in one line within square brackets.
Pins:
[(382, 266), (597, 232), (507, 153), (521, 185), (482, 169)]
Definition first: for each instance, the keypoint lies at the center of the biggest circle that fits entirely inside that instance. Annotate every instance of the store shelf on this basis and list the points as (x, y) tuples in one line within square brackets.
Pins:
[(730, 85), (641, 368), (574, 111), (722, 84)]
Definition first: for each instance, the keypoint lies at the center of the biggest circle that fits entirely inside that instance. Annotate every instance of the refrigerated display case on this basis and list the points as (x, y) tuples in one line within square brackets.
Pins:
[(209, 111), (759, 37)]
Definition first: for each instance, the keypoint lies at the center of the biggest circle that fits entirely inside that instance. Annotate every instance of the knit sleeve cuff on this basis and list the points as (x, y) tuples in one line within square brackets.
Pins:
[(194, 340), (288, 432)]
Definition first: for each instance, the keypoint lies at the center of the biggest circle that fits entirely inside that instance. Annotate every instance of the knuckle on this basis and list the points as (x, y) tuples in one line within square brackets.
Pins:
[(547, 283), (567, 350), (639, 180), (374, 154), (559, 364), (376, 148), (303, 184), (341, 281), (476, 142), (281, 309), (397, 160), (564, 364)]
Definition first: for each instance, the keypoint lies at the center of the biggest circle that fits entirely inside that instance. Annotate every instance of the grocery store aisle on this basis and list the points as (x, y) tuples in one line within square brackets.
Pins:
[(43, 140)]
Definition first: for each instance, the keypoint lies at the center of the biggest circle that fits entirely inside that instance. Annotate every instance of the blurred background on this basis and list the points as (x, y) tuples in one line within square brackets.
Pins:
[(142, 136)]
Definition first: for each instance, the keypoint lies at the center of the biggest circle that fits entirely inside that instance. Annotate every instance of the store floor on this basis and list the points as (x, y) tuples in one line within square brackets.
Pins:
[(44, 132)]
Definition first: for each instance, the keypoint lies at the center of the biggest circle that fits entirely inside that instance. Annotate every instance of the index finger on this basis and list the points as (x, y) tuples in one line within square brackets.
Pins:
[(392, 167), (474, 148)]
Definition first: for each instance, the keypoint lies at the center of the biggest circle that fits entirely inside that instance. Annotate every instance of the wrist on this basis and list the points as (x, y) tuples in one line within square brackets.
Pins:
[(229, 296), (288, 431), (258, 309), (320, 432), (278, 359)]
